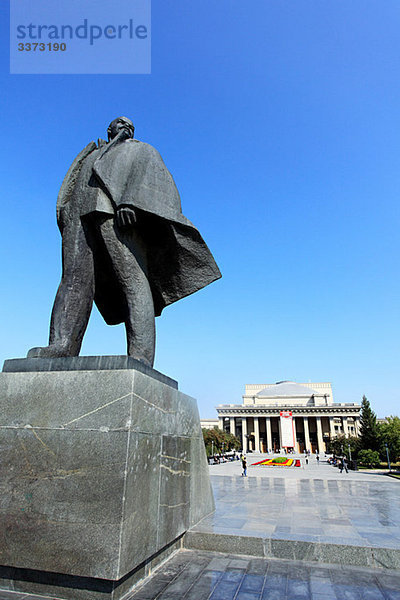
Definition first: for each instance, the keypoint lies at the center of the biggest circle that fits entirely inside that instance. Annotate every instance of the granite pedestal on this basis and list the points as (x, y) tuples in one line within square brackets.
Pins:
[(101, 473)]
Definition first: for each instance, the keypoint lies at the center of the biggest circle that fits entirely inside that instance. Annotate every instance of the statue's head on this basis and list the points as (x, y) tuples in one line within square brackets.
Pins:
[(122, 123)]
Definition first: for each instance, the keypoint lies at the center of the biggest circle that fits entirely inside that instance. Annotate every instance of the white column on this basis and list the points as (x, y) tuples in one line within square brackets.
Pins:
[(256, 434), (269, 433), (244, 433), (345, 427), (321, 445), (221, 422), (332, 427), (306, 433), (232, 428)]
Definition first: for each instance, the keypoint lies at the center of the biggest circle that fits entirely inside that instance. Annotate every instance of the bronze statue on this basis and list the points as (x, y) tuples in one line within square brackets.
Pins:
[(125, 245)]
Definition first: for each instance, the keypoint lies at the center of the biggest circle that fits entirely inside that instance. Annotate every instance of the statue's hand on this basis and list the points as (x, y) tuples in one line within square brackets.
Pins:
[(125, 217)]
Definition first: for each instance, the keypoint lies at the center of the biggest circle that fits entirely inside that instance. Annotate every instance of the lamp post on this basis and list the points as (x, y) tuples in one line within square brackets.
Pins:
[(212, 447), (387, 454), (349, 452), (223, 443)]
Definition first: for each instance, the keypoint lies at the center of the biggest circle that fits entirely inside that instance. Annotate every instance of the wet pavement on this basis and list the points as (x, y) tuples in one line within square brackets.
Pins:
[(315, 504), (191, 575), (210, 576)]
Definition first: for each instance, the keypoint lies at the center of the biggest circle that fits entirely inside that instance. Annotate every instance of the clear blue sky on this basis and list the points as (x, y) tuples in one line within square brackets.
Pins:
[(280, 122)]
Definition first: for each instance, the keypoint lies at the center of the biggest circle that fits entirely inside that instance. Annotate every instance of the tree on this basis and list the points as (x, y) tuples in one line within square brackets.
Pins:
[(390, 434), (340, 445), (369, 428), (221, 439), (369, 458)]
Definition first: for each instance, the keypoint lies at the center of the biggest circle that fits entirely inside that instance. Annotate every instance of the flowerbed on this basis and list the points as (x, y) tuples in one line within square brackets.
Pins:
[(279, 461)]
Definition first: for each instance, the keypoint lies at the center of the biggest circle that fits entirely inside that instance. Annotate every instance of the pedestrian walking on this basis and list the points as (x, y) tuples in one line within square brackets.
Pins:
[(317, 457), (343, 465), (244, 466)]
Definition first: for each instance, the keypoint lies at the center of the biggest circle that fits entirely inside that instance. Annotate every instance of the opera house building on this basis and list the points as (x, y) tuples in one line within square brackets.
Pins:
[(288, 415)]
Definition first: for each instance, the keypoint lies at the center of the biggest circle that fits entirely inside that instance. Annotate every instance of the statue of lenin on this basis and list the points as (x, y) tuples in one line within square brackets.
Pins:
[(125, 244)]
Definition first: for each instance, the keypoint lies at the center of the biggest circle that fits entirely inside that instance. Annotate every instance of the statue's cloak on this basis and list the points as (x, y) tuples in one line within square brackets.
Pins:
[(132, 173)]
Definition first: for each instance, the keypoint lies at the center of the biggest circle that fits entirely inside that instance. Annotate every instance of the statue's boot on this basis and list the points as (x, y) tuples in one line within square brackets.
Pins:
[(52, 351)]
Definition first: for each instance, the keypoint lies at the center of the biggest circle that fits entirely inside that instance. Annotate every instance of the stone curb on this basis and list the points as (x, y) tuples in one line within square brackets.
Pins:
[(346, 555)]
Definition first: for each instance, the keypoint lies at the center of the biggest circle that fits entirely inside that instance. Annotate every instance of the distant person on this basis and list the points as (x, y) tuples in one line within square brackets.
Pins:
[(244, 466), (306, 459), (343, 465), (317, 457)]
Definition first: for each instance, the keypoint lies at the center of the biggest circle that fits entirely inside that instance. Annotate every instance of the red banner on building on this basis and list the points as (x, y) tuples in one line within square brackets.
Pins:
[(287, 429)]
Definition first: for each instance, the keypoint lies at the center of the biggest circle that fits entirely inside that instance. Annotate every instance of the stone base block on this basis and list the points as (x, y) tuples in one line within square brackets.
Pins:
[(101, 473), (73, 587)]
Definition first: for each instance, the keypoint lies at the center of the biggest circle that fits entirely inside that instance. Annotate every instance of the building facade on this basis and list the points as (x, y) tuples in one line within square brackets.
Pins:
[(209, 423), (305, 410)]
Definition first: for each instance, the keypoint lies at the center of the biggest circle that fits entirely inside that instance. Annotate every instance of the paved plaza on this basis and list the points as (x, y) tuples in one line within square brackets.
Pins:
[(193, 575), (316, 503), (314, 469), (313, 513), (206, 575)]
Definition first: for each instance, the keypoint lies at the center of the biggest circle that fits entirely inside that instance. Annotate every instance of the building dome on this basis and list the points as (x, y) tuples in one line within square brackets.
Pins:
[(286, 388)]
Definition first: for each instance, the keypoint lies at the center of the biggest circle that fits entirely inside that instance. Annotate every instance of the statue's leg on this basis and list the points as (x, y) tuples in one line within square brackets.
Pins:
[(128, 258), (74, 298)]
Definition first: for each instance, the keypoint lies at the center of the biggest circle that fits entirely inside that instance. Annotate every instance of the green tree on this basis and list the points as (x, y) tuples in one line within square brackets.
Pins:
[(369, 438), (390, 433), (222, 441), (341, 441), (369, 458)]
